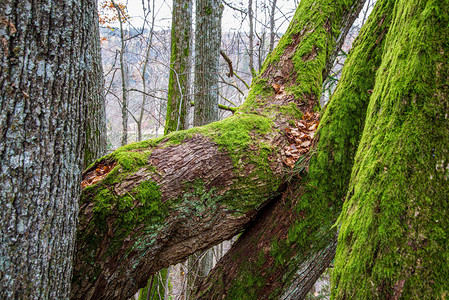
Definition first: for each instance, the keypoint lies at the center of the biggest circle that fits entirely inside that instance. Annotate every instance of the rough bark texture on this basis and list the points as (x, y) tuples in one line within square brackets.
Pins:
[(95, 129), (297, 231), (393, 238), (45, 66), (207, 60), (179, 81), (165, 199)]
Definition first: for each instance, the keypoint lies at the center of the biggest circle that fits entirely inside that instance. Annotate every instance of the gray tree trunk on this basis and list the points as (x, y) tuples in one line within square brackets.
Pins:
[(180, 66), (272, 26), (45, 67), (124, 78), (95, 128), (251, 37), (207, 55)]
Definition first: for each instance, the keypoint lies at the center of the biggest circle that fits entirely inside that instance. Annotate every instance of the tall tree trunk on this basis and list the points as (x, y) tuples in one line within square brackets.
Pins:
[(393, 238), (251, 38), (179, 81), (144, 73), (46, 64), (124, 77), (272, 25), (207, 58), (95, 129), (168, 198)]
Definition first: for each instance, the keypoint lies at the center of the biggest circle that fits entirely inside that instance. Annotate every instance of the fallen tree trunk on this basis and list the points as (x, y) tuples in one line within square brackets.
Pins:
[(151, 204)]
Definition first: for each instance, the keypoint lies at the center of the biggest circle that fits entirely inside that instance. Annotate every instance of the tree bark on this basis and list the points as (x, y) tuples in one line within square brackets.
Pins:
[(289, 245), (393, 238), (251, 38), (124, 77), (46, 64), (95, 129), (272, 25), (207, 60), (180, 66), (203, 185)]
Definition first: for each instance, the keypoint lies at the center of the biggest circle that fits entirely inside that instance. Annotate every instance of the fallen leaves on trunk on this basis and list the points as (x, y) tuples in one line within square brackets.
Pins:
[(300, 138), (95, 175)]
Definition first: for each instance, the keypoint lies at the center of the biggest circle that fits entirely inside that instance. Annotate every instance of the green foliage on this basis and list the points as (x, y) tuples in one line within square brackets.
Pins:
[(393, 235)]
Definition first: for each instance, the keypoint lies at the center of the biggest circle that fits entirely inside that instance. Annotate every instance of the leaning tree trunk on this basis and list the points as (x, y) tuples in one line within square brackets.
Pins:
[(393, 238), (207, 60), (46, 64), (179, 81), (292, 242), (151, 204)]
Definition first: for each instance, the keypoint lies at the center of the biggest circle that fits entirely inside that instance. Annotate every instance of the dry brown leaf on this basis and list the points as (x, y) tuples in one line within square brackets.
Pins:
[(313, 127), (305, 144), (276, 87)]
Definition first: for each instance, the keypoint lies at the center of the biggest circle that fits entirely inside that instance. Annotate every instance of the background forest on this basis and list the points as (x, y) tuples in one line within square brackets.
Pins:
[(147, 103), (215, 149)]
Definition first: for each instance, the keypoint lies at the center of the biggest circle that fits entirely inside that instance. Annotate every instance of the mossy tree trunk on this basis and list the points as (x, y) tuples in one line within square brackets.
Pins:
[(393, 239), (291, 242), (207, 66), (151, 204), (207, 60), (46, 68), (180, 62)]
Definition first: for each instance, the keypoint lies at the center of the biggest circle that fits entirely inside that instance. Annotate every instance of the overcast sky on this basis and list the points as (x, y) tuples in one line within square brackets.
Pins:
[(231, 18)]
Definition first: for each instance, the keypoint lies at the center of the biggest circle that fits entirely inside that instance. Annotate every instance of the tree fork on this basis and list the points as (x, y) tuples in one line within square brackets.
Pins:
[(292, 242), (151, 204)]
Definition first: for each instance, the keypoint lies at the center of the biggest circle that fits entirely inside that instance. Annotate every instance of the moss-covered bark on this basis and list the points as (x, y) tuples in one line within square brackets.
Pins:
[(207, 60), (393, 238), (165, 199), (292, 242), (180, 65)]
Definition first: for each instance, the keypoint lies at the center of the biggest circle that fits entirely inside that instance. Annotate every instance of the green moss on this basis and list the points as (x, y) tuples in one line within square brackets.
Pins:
[(394, 224), (122, 214), (324, 187), (291, 110), (249, 280)]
